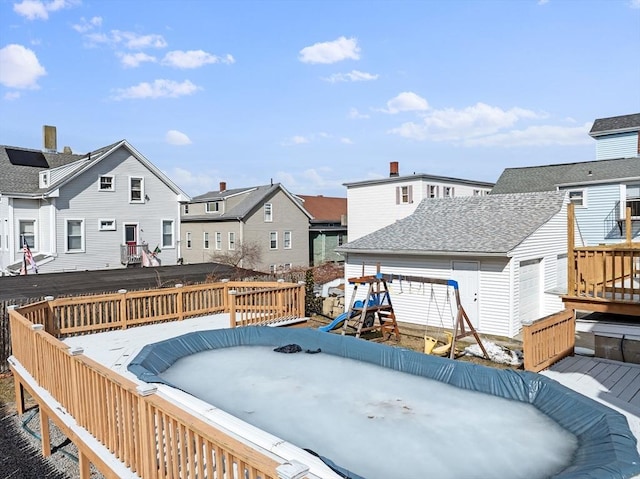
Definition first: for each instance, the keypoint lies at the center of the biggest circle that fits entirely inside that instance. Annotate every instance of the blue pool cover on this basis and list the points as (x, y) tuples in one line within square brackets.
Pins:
[(606, 450)]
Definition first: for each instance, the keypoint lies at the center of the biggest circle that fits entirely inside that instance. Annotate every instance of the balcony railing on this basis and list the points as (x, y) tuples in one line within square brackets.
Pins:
[(131, 254), (614, 223)]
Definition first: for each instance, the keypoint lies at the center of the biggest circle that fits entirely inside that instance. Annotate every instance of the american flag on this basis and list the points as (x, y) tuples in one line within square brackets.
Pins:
[(28, 260)]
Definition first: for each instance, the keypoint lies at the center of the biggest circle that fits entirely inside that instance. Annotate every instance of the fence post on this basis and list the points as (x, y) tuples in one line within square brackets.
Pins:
[(48, 322), (232, 307), (123, 307), (180, 301), (225, 293), (301, 297), (148, 461)]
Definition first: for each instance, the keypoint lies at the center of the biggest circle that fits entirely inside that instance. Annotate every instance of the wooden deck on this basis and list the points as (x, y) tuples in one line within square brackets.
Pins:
[(612, 383)]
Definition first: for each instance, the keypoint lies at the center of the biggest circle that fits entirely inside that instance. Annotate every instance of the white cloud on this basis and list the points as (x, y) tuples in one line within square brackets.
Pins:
[(134, 41), (87, 25), (133, 60), (354, 114), (331, 52), (177, 138), (296, 140), (346, 141), (193, 59), (200, 181), (634, 3), (406, 101), (158, 89), (352, 76), (19, 67), (456, 125), (543, 135), (39, 10), (12, 95)]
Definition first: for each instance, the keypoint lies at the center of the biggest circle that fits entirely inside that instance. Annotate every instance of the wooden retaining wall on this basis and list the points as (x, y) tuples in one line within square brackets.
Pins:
[(547, 340)]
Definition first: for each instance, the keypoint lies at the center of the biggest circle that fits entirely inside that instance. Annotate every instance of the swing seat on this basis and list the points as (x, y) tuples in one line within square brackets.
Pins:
[(429, 344), (445, 348)]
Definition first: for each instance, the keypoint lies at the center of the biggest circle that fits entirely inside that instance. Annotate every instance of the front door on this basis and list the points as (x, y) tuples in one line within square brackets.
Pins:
[(131, 237), (466, 274)]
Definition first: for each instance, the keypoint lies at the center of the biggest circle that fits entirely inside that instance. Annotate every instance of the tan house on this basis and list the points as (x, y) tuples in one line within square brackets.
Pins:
[(264, 228)]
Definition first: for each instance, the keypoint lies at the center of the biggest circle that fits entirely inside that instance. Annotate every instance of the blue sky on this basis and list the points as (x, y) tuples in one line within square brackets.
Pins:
[(314, 94)]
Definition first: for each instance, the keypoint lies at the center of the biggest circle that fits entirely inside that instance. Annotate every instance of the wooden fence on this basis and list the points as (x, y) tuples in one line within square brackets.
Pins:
[(150, 436), (548, 340)]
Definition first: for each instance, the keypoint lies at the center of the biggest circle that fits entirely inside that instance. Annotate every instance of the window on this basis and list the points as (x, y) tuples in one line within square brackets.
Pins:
[(136, 187), (213, 207), (340, 239), (205, 240), (268, 212), (287, 240), (477, 192), (188, 238), (287, 266), (404, 194), (272, 268), (232, 240), (107, 225), (75, 236), (577, 197), (218, 240), (27, 234), (633, 199), (273, 240), (186, 209), (167, 233), (447, 191), (106, 183), (44, 177), (432, 191)]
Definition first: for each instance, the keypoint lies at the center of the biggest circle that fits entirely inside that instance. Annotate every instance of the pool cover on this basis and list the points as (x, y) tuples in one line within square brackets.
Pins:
[(607, 448)]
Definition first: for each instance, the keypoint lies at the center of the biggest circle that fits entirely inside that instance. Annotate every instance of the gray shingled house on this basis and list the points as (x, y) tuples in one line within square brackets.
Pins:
[(507, 252), (263, 227)]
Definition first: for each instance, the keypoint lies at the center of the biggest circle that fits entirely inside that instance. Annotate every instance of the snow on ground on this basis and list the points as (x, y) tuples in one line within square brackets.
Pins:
[(374, 421)]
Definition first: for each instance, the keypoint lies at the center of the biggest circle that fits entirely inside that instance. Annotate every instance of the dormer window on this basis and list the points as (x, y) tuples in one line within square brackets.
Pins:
[(44, 179), (214, 207)]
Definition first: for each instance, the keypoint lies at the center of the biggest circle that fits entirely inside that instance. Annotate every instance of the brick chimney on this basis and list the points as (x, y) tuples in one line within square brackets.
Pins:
[(393, 168), (223, 185)]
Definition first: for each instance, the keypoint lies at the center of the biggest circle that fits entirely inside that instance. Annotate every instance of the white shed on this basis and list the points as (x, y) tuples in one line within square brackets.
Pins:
[(507, 252)]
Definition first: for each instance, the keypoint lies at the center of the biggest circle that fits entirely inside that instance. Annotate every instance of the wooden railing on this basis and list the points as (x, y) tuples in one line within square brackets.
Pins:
[(149, 435), (604, 278), (548, 340)]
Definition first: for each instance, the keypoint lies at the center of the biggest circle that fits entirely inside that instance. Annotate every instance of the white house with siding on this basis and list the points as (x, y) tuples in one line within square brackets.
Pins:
[(507, 253), (373, 204), (84, 212)]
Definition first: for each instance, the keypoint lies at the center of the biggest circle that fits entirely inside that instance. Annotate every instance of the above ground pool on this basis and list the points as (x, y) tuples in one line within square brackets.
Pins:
[(374, 411)]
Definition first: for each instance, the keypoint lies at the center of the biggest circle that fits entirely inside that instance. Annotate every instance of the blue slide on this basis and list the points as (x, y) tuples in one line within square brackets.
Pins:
[(337, 322)]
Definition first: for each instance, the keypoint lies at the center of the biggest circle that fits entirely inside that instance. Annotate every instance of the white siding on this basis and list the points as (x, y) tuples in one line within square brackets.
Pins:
[(373, 206), (412, 301), (623, 145), (549, 241), (599, 202)]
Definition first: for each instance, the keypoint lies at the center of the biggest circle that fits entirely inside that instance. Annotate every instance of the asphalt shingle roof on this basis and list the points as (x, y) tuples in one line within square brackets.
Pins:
[(548, 177), (603, 126), (474, 224), (325, 208)]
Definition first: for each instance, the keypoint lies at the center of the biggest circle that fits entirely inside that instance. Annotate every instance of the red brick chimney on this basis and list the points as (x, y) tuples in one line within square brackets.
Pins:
[(393, 168), (223, 185)]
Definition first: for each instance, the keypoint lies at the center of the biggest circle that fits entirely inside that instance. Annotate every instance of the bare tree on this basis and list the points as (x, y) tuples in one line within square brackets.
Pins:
[(247, 255)]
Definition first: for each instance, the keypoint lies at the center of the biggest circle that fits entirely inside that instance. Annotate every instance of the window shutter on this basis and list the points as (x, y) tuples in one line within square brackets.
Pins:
[(398, 193), (410, 193)]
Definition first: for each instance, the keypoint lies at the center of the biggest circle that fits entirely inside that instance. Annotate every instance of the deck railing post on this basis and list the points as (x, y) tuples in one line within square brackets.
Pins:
[(232, 307), (301, 300), (571, 255), (627, 224), (123, 308), (180, 301)]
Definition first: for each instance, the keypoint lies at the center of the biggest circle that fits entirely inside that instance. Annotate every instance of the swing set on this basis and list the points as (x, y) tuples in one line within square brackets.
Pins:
[(377, 305)]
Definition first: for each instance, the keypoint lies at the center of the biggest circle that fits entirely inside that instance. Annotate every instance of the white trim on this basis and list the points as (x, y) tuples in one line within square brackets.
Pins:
[(188, 240), (205, 240), (113, 183), (284, 239), (218, 241), (272, 235), (142, 194), (232, 234), (66, 235), (583, 191), (268, 217)]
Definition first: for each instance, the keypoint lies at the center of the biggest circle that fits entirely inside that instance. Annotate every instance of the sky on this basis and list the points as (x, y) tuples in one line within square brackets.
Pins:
[(315, 94)]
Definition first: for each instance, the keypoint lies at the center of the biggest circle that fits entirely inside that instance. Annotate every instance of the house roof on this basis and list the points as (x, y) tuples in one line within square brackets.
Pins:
[(550, 177), (615, 124), (492, 224), (254, 196), (419, 176), (325, 208), (21, 168)]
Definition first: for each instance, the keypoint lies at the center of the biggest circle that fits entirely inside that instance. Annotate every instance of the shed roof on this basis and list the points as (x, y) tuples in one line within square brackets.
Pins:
[(492, 224), (615, 124), (550, 177)]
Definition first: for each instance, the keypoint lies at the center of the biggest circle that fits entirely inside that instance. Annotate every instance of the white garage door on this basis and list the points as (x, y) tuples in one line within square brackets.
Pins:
[(529, 290)]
